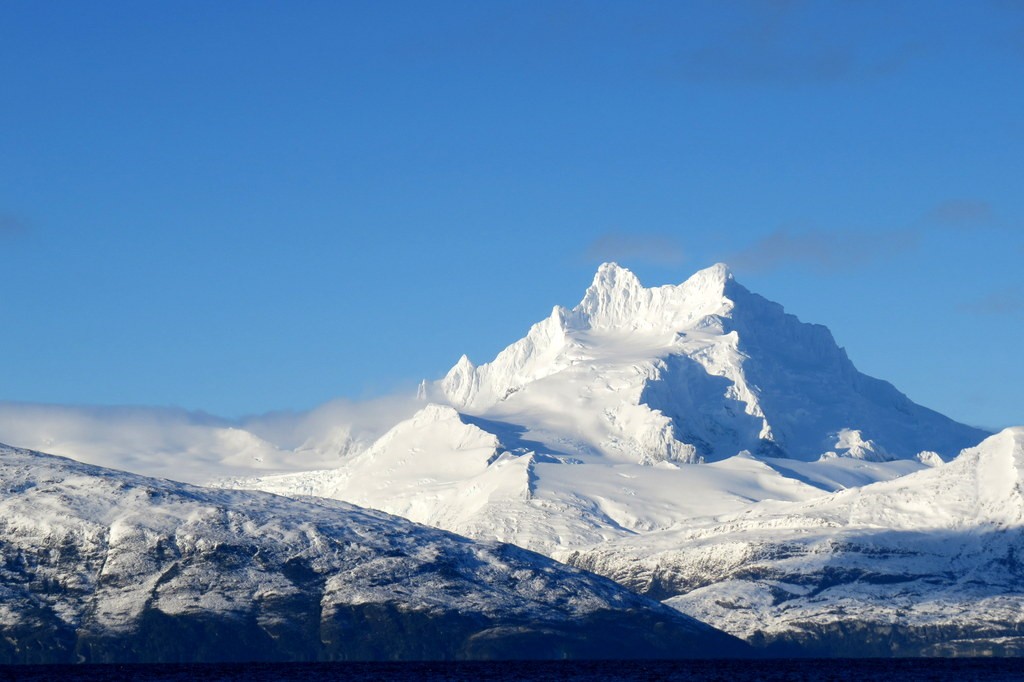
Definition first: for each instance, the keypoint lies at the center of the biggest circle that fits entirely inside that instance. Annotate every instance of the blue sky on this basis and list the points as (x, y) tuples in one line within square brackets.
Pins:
[(250, 206)]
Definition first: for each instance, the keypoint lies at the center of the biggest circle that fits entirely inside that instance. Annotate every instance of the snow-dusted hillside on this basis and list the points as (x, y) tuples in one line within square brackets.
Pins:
[(100, 565), (930, 563)]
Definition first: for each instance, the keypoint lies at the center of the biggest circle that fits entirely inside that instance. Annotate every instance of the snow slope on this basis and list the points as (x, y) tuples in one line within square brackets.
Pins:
[(101, 565), (443, 469), (930, 563)]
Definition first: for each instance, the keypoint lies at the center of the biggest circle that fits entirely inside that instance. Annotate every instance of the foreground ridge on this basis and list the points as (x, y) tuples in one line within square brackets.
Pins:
[(105, 566)]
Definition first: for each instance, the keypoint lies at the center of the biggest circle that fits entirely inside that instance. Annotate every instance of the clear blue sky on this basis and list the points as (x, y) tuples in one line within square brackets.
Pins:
[(248, 206)]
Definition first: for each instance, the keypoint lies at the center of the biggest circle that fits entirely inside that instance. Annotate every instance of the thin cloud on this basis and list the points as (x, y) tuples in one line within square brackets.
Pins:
[(12, 226), (764, 65), (1005, 302), (344, 421), (1008, 32), (826, 250), (773, 43), (653, 248), (961, 213), (196, 447)]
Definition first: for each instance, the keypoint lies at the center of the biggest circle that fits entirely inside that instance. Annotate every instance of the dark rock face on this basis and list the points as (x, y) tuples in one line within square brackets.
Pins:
[(101, 566)]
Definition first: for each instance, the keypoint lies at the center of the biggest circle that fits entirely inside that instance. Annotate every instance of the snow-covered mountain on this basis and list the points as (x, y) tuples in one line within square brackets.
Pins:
[(931, 563), (589, 428), (100, 565), (702, 370)]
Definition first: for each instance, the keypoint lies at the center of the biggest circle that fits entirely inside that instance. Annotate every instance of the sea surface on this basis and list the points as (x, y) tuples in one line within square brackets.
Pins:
[(838, 670)]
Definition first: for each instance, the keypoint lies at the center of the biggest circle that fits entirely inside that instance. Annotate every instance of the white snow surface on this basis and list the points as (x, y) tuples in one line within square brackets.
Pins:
[(440, 468), (938, 548)]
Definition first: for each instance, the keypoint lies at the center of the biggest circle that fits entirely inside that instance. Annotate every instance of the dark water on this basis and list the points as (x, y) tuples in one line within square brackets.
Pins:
[(838, 670)]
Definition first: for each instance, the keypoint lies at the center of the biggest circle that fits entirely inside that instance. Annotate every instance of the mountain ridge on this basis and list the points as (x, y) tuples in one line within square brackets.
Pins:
[(924, 564), (107, 566), (773, 376)]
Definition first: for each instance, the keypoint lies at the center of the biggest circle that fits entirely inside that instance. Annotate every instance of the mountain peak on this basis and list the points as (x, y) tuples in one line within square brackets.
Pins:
[(612, 277), (617, 300), (718, 273), (1000, 462), (720, 368)]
